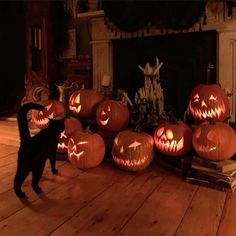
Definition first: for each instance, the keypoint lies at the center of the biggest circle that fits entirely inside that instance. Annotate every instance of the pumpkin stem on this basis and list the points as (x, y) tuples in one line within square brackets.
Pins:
[(211, 121), (88, 129)]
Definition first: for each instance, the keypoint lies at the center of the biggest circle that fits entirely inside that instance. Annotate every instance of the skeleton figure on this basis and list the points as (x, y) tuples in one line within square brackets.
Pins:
[(149, 98)]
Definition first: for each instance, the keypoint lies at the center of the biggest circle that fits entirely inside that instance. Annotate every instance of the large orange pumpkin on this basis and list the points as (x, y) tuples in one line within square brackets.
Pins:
[(112, 115), (208, 101), (215, 141), (71, 124), (85, 150), (133, 150), (84, 102), (173, 139), (54, 109)]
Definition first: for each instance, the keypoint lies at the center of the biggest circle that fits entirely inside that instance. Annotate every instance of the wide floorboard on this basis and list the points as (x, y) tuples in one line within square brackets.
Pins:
[(108, 201)]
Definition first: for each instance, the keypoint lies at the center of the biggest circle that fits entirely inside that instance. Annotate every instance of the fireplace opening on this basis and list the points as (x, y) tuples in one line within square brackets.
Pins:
[(186, 58)]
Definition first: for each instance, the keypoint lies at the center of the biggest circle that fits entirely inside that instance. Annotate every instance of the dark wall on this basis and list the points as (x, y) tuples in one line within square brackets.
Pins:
[(185, 59), (12, 54)]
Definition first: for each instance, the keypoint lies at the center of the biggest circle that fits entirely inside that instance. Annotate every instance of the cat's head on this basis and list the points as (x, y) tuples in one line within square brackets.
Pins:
[(57, 124)]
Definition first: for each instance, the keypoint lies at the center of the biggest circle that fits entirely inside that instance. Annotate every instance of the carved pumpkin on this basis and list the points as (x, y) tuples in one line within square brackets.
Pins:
[(214, 141), (71, 124), (54, 109), (208, 101), (85, 150), (112, 115), (132, 150), (173, 139), (84, 102)]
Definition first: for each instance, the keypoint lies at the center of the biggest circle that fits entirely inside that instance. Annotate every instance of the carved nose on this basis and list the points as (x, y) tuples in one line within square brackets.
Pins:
[(203, 104)]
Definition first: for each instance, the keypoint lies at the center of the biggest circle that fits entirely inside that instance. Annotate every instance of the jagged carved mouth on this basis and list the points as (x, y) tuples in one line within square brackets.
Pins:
[(104, 122), (42, 121), (170, 145), (208, 113), (62, 146), (76, 155), (130, 163), (206, 148)]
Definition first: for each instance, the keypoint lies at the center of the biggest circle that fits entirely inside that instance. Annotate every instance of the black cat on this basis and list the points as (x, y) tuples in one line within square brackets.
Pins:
[(35, 150)]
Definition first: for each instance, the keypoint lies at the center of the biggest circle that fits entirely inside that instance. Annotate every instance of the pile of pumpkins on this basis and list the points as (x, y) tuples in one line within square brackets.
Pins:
[(132, 150)]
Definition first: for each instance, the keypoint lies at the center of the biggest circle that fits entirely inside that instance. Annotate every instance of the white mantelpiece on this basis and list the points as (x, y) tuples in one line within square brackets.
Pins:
[(217, 19)]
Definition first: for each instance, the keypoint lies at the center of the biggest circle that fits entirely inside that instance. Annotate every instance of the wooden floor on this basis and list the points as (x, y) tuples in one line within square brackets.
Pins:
[(108, 201)]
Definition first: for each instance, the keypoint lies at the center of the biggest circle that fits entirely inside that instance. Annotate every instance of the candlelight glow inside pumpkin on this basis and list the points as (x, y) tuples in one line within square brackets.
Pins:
[(208, 101), (54, 109), (84, 102), (85, 150), (112, 115), (173, 138), (71, 124), (214, 141), (132, 150)]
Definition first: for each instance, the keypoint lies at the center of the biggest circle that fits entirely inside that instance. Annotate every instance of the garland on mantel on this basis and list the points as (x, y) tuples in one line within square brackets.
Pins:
[(133, 15)]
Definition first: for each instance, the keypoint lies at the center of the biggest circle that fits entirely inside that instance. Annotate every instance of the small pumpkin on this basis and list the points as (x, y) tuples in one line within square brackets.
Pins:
[(85, 150), (54, 109), (133, 150), (112, 115), (214, 141), (173, 138), (71, 124), (208, 101), (84, 102)]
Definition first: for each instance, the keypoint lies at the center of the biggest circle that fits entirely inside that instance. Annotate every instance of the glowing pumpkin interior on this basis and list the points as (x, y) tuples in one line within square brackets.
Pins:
[(132, 150), (112, 115), (54, 109), (173, 138), (208, 101)]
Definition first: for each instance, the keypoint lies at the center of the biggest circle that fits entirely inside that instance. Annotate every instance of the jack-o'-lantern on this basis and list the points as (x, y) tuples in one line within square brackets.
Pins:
[(173, 139), (208, 101), (133, 150), (214, 141), (85, 150), (112, 115), (71, 124), (54, 109), (84, 102)]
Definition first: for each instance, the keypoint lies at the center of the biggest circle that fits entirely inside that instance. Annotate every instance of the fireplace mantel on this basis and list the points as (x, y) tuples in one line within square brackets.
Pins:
[(101, 41)]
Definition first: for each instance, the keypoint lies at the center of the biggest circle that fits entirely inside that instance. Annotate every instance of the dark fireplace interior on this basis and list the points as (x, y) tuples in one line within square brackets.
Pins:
[(185, 57)]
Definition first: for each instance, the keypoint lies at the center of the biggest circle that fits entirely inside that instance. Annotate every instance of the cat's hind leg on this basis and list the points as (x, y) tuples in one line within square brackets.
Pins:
[(37, 173)]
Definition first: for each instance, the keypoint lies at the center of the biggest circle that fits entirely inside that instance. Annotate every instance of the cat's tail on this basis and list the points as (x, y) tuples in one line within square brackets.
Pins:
[(22, 119)]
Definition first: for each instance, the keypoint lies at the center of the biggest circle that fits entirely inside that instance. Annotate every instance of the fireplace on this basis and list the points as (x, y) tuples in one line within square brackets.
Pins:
[(219, 49), (185, 57)]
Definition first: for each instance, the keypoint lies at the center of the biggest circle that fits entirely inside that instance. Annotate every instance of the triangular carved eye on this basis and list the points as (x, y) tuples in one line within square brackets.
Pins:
[(196, 98), (116, 141), (198, 133), (160, 132), (135, 144), (109, 108), (211, 136), (103, 113), (77, 98), (213, 98), (48, 106), (122, 149)]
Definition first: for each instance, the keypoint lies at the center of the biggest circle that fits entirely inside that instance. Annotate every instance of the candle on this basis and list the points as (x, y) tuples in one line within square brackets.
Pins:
[(106, 78)]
